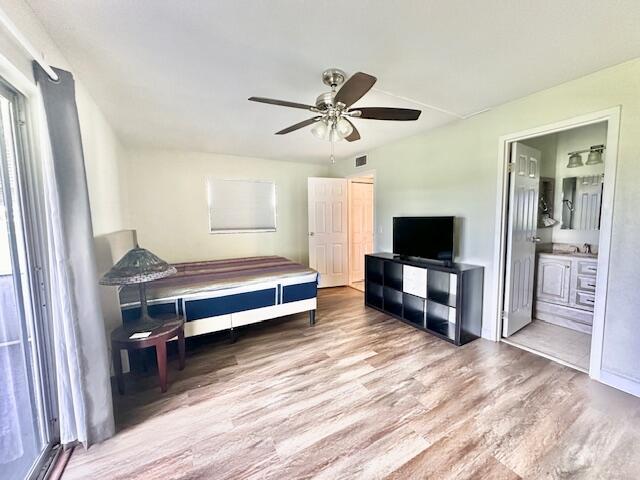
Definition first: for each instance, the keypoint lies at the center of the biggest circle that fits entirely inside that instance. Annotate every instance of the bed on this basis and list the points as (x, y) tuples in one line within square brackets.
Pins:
[(225, 294)]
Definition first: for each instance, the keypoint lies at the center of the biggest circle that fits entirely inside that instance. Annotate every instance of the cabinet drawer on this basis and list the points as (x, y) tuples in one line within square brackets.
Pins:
[(586, 284), (585, 300), (587, 268)]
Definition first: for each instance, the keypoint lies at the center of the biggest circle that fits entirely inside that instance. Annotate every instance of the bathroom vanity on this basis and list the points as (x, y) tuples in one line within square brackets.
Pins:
[(565, 291)]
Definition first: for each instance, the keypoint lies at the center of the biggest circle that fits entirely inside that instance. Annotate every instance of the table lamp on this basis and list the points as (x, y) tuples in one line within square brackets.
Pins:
[(139, 266)]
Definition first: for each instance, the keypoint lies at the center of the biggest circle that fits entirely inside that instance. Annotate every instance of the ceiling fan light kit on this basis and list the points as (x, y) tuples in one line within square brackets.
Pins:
[(332, 130), (332, 121)]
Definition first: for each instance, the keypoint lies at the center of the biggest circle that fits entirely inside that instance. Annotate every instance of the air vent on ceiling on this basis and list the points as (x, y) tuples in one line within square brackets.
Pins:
[(361, 161)]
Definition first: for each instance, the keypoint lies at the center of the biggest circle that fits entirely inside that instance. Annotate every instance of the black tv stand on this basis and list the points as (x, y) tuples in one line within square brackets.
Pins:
[(442, 298), (420, 260)]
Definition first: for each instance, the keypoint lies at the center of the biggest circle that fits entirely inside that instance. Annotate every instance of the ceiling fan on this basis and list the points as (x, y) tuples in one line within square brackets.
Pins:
[(333, 109)]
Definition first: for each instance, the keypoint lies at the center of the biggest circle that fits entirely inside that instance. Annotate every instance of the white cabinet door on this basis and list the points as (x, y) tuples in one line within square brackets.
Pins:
[(414, 281), (328, 225), (554, 277), (522, 230)]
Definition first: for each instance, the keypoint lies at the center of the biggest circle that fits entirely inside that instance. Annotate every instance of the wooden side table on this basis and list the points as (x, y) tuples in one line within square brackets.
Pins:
[(173, 326)]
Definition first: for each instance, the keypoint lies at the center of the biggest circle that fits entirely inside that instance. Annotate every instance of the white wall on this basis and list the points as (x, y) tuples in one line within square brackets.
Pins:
[(453, 171), (168, 204), (104, 158), (103, 154)]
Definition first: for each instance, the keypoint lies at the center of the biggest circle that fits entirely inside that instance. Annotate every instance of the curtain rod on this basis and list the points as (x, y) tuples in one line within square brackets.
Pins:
[(26, 45)]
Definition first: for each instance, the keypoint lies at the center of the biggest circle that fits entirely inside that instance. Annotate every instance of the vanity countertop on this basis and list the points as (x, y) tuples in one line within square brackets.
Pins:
[(580, 255)]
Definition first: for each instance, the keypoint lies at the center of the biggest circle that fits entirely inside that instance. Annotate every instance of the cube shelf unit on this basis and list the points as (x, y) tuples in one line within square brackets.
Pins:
[(444, 299)]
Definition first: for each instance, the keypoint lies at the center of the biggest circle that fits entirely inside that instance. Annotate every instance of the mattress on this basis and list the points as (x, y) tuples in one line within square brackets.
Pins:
[(200, 277)]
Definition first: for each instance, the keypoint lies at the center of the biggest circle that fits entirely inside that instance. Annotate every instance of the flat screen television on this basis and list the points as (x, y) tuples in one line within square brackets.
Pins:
[(425, 237)]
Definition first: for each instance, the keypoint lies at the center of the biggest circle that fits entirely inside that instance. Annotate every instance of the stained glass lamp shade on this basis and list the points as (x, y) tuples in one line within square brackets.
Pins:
[(139, 266)]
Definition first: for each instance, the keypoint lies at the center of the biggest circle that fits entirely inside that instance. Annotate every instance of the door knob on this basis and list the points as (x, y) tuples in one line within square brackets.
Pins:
[(535, 239), (311, 234)]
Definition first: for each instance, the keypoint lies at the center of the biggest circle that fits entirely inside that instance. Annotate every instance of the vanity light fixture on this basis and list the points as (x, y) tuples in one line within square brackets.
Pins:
[(594, 158)]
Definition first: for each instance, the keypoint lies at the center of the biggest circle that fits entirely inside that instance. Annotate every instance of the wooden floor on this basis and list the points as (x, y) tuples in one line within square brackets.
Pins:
[(361, 395)]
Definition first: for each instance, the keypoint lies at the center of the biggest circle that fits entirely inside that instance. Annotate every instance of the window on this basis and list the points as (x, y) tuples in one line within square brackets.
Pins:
[(241, 206), (26, 435)]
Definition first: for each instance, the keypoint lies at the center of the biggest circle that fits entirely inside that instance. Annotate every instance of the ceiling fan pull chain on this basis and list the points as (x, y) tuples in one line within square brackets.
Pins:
[(333, 159)]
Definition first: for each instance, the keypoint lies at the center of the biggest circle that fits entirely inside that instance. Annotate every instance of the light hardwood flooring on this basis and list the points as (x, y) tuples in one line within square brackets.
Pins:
[(362, 395), (563, 343)]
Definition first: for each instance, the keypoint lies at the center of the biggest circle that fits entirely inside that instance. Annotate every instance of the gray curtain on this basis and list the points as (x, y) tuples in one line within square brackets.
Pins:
[(80, 346)]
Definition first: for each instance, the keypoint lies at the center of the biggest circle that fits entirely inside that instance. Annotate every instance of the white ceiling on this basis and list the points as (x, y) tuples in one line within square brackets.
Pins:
[(177, 74)]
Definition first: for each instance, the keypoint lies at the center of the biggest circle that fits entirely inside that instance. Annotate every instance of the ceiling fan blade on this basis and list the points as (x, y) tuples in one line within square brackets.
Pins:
[(384, 113), (298, 126), (355, 135), (282, 103), (355, 88)]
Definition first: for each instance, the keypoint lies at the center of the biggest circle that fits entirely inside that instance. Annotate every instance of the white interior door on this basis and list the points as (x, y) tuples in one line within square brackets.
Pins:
[(524, 188), (361, 224), (328, 226)]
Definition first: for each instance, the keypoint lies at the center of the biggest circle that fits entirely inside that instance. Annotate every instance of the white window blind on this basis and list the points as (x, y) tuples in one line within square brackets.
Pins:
[(237, 206)]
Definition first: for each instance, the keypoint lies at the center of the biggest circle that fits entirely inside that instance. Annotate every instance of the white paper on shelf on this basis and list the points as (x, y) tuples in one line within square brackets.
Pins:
[(414, 280), (138, 335)]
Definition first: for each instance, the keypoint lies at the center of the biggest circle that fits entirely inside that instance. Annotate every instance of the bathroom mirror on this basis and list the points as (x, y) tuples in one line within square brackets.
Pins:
[(581, 202)]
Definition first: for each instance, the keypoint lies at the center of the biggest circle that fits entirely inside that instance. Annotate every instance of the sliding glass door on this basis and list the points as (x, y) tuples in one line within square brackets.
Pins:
[(26, 431)]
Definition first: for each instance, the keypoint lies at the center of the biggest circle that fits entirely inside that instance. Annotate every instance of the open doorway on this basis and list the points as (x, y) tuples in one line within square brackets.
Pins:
[(361, 230), (557, 219)]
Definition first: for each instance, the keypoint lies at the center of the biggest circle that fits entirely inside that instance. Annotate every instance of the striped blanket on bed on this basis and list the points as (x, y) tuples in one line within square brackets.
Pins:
[(197, 277)]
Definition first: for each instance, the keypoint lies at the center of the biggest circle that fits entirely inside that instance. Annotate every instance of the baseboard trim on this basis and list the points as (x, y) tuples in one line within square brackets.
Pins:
[(59, 463), (621, 383)]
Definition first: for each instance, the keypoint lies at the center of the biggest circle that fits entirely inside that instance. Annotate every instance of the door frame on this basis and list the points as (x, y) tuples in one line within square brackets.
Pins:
[(350, 180), (612, 117)]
